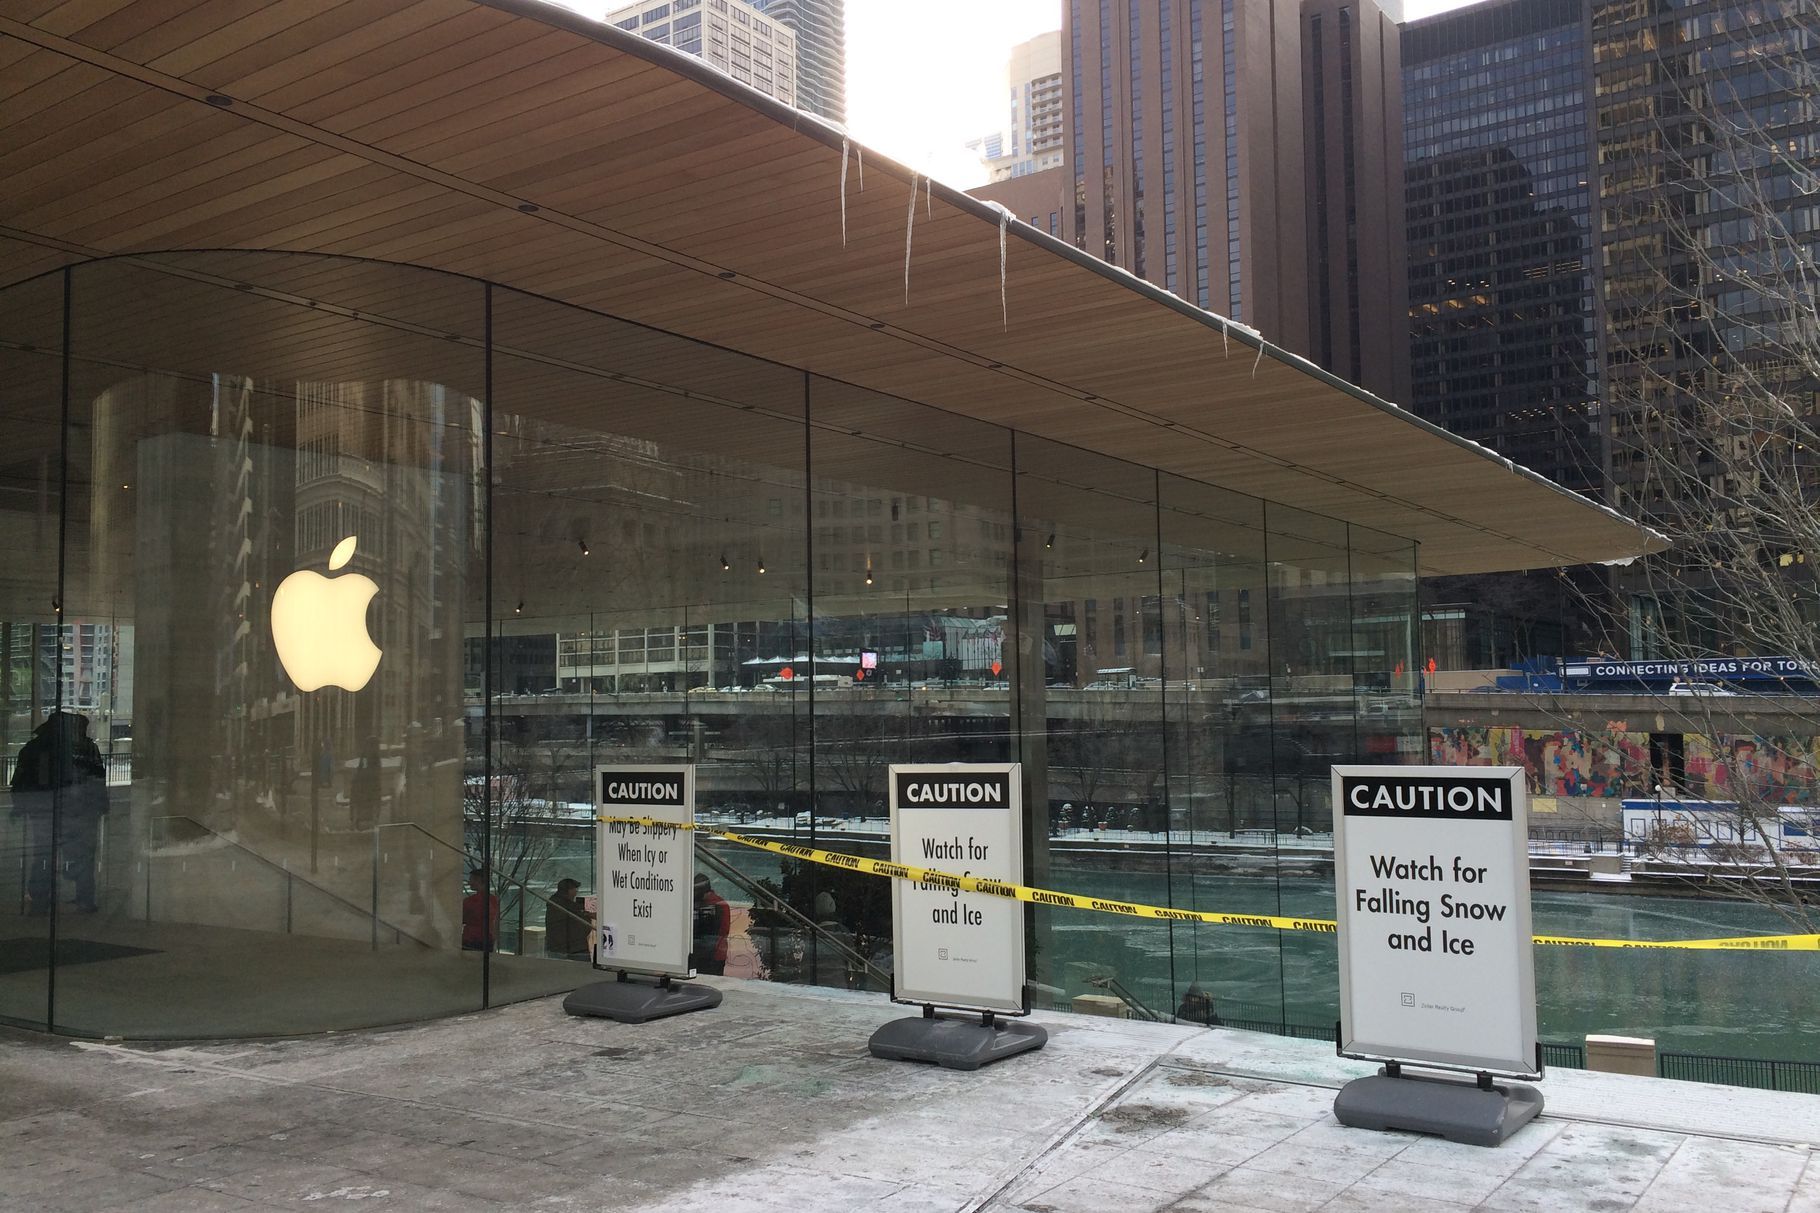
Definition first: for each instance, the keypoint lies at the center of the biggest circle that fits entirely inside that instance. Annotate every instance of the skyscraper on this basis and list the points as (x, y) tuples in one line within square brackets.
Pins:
[(1609, 216), (730, 34), (1352, 116), (821, 52), (1243, 155), (1708, 153), (1502, 267), (1034, 131)]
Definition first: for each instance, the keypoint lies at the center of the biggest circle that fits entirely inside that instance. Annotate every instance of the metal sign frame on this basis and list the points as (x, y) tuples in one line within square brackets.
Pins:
[(676, 905), (1517, 1057), (1011, 995)]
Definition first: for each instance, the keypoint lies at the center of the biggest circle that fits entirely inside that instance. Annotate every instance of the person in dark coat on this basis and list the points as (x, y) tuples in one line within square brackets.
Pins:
[(479, 915), (713, 923), (1197, 1007), (834, 943), (59, 790), (567, 925)]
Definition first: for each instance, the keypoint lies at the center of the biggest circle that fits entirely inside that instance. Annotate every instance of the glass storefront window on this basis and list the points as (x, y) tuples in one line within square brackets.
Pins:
[(277, 509), (33, 643), (574, 540)]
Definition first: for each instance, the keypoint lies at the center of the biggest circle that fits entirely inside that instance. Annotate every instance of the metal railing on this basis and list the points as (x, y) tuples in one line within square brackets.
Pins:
[(1135, 1005), (1800, 1076), (856, 963), (291, 880), (119, 769), (1564, 1056), (472, 860)]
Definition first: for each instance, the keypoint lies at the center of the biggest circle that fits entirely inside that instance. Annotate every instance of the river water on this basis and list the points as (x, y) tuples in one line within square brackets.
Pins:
[(1731, 1004), (1734, 1004)]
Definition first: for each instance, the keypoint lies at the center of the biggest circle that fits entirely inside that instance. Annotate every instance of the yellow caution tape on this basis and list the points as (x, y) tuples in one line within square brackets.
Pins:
[(1771, 943), (1074, 901)]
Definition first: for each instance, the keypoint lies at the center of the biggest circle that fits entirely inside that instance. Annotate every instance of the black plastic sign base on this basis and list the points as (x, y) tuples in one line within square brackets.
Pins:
[(954, 1043), (630, 1000), (1473, 1114)]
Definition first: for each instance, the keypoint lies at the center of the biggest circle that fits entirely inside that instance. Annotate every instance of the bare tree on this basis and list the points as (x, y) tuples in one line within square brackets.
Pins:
[(1712, 371), (533, 783), (1108, 748)]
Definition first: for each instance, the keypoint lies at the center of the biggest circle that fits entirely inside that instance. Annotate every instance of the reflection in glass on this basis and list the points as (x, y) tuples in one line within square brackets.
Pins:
[(37, 679), (592, 542)]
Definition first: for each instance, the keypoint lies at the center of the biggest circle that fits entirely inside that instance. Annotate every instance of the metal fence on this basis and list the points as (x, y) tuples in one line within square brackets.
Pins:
[(1802, 1076), (1798, 1076), (1564, 1057)]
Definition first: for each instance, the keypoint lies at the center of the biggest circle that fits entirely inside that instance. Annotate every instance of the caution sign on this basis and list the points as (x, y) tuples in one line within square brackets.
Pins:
[(954, 946), (1431, 876), (646, 861)]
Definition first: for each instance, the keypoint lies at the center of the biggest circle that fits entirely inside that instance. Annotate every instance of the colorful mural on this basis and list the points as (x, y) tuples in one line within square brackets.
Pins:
[(1572, 762), (1559, 762), (1776, 770), (1474, 747), (1615, 763)]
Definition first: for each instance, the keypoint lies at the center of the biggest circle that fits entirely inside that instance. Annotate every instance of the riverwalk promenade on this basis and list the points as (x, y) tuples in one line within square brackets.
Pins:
[(771, 1102)]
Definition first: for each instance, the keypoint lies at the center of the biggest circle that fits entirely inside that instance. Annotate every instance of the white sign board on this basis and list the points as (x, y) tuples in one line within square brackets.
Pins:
[(1431, 876), (955, 949), (647, 873)]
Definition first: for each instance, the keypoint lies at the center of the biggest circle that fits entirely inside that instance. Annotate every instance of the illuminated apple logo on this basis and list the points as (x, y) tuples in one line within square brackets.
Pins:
[(320, 626)]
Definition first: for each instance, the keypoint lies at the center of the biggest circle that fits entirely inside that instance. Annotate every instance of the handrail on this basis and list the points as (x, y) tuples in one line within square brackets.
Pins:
[(714, 861), (288, 873), (524, 889), (1125, 996), (758, 890)]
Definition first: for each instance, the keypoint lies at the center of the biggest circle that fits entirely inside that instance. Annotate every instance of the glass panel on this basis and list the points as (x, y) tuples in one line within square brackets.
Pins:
[(651, 599), (1092, 735), (267, 849), (1313, 705), (1218, 707), (32, 682), (1384, 630), (278, 457), (913, 541)]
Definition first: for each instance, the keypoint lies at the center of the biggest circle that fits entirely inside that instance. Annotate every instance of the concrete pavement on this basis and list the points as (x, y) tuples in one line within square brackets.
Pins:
[(771, 1102)]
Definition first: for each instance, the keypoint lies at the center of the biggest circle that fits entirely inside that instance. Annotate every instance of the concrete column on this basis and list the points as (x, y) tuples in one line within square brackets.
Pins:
[(1621, 1055)]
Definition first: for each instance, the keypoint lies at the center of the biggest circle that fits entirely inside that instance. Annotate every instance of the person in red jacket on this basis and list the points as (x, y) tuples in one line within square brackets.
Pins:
[(713, 923), (479, 915)]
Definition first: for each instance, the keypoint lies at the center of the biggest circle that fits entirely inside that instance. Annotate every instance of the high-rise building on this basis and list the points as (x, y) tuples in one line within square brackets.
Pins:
[(1708, 143), (1244, 155), (1033, 135), (1503, 289), (1353, 174), (730, 34), (820, 27), (1503, 270), (1604, 205)]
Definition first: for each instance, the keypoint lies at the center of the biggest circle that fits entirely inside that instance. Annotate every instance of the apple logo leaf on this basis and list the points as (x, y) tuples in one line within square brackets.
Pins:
[(344, 552)]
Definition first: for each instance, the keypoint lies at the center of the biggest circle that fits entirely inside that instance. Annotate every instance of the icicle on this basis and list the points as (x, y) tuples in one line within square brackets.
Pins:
[(1260, 360), (1225, 339), (929, 196), (909, 227), (843, 191), (1004, 309), (859, 154)]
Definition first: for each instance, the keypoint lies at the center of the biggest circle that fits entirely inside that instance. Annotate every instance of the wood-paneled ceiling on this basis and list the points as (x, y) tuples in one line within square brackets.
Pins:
[(520, 143)]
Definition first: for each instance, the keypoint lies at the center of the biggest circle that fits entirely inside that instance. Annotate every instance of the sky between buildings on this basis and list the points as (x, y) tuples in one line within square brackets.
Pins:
[(923, 78)]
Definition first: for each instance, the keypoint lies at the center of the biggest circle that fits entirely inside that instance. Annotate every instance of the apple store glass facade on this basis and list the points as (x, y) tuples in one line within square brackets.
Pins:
[(576, 540)]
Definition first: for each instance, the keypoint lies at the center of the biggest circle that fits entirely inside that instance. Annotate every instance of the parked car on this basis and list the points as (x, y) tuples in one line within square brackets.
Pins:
[(1698, 688)]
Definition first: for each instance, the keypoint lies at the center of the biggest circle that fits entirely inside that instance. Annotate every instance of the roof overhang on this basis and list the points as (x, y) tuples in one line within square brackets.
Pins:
[(521, 143)]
